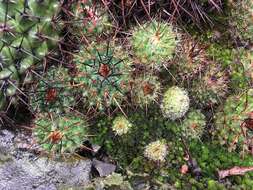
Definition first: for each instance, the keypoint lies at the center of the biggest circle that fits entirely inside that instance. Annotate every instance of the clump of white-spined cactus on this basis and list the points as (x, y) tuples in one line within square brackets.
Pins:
[(175, 103), (156, 151), (121, 125)]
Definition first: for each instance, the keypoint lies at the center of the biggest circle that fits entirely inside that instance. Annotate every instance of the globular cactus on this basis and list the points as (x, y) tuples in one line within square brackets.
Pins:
[(90, 19), (234, 122), (153, 43), (193, 125), (156, 151), (59, 134), (212, 87), (28, 31), (190, 59), (146, 90), (121, 125), (102, 74), (175, 103), (53, 92)]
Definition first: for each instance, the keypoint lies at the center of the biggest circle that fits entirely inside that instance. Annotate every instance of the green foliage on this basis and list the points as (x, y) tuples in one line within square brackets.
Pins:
[(27, 34), (153, 43), (102, 74), (59, 134), (231, 129), (237, 61), (53, 92), (175, 103)]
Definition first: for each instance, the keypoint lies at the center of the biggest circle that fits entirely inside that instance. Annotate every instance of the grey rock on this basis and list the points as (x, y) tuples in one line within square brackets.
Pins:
[(19, 170), (104, 169)]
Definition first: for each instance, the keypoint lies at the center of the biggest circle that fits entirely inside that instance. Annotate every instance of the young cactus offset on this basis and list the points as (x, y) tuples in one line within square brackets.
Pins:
[(102, 74), (156, 151), (53, 92), (234, 122), (59, 134), (175, 103), (193, 125), (146, 90), (153, 43), (121, 125)]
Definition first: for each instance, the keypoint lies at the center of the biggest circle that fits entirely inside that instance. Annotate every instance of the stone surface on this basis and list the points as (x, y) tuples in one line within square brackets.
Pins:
[(21, 170)]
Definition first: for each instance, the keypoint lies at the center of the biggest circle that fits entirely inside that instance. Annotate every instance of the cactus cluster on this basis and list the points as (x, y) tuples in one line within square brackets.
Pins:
[(28, 31), (146, 89)]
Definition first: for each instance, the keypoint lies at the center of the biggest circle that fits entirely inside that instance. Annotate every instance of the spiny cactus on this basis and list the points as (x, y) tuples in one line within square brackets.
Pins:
[(212, 87), (102, 74), (234, 122), (190, 59), (153, 43), (53, 92), (156, 151), (121, 125), (175, 103), (193, 125), (90, 19), (59, 134), (28, 32), (241, 19), (146, 90)]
